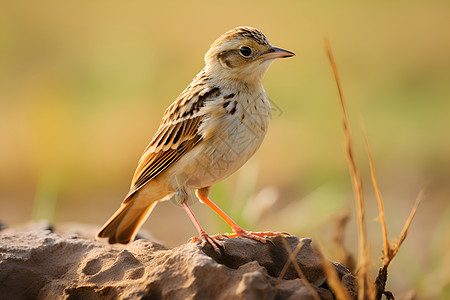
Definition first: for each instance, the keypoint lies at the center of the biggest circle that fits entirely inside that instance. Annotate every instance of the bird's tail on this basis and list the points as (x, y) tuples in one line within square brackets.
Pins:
[(123, 226)]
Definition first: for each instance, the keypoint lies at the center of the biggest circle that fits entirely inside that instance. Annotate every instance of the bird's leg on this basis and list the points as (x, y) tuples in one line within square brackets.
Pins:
[(204, 237), (237, 230)]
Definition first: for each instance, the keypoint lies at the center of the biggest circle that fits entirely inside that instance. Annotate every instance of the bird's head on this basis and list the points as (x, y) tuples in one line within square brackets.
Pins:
[(242, 54)]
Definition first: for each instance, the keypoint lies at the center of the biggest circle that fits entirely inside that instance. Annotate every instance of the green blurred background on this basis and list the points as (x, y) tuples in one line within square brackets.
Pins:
[(83, 86)]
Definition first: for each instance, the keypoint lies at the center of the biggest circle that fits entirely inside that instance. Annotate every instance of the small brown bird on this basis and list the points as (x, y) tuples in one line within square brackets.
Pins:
[(214, 126)]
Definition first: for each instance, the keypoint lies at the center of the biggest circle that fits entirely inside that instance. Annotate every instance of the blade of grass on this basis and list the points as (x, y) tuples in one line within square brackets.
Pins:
[(381, 280), (404, 232), (292, 255), (366, 290), (332, 278), (386, 247), (294, 262), (344, 256)]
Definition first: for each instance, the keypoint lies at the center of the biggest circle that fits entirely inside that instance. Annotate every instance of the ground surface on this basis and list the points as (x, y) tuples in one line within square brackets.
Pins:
[(45, 264)]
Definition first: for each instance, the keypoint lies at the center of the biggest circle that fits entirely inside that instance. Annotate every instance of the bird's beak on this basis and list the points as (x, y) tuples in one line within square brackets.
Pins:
[(275, 52)]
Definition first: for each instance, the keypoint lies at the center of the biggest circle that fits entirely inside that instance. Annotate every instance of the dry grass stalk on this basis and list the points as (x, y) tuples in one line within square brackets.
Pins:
[(344, 256), (332, 278), (292, 260), (381, 280), (387, 251), (404, 232), (366, 289)]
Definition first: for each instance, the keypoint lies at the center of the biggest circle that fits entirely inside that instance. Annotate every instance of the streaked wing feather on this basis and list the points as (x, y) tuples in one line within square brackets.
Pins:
[(153, 163), (177, 134)]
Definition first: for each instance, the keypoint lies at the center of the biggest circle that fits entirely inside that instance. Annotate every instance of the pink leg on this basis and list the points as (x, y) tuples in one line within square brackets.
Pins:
[(205, 238), (237, 230)]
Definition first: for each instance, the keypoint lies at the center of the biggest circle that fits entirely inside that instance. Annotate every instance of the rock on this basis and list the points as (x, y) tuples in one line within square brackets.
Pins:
[(42, 264)]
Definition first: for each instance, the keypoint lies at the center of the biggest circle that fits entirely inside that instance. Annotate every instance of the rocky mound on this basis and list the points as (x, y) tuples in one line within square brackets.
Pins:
[(42, 264)]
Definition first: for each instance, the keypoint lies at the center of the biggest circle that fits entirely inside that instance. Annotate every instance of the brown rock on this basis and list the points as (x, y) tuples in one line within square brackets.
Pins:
[(45, 265)]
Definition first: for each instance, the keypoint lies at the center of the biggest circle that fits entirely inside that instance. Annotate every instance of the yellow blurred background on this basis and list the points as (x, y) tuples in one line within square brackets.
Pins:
[(83, 86)]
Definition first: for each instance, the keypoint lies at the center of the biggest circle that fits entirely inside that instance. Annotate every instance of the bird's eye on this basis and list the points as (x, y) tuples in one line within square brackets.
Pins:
[(245, 51)]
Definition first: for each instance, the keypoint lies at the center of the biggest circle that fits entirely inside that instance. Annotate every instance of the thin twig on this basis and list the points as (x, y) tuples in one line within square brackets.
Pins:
[(332, 278), (404, 232), (344, 256), (386, 247), (291, 259), (365, 288)]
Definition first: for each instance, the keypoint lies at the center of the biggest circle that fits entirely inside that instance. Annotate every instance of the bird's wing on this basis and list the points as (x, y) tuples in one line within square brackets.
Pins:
[(177, 134)]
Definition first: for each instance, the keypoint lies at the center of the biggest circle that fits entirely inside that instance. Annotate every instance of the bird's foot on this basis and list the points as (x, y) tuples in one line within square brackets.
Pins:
[(258, 236), (206, 239)]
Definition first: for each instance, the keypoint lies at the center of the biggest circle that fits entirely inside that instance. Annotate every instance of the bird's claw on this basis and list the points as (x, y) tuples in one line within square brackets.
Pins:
[(206, 239), (215, 242)]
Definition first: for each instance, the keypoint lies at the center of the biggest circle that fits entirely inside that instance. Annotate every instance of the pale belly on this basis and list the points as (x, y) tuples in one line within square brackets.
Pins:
[(222, 155)]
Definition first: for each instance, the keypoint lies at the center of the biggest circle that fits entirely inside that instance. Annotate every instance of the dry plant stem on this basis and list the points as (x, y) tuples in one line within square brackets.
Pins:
[(387, 251), (404, 232), (380, 281), (343, 254), (332, 277), (292, 260), (365, 287)]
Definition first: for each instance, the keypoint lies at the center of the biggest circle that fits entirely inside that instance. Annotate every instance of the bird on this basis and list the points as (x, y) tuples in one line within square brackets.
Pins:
[(209, 132)]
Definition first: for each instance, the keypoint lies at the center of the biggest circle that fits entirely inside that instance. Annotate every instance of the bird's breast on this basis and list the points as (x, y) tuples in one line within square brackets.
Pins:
[(232, 134)]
